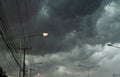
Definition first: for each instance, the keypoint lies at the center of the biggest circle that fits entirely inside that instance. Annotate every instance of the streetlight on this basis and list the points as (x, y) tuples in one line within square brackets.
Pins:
[(88, 68), (116, 75), (109, 44), (44, 34), (113, 45), (33, 69)]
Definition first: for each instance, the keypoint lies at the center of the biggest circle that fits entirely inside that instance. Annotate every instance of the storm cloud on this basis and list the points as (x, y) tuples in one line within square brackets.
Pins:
[(66, 63), (67, 22), (79, 31)]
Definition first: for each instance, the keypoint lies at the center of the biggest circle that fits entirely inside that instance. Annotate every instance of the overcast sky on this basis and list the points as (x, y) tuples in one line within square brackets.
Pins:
[(79, 31)]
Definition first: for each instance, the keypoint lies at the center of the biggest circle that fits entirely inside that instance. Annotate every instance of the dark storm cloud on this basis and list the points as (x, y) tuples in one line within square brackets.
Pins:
[(62, 20), (71, 38), (11, 9), (66, 21), (73, 8), (108, 24), (64, 35)]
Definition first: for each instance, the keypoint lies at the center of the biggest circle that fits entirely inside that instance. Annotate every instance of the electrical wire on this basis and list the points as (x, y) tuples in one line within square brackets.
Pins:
[(6, 57), (8, 62), (20, 17), (10, 49), (28, 29), (4, 33)]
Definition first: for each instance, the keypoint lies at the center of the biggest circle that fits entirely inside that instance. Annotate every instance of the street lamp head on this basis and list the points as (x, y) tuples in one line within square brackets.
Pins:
[(45, 34), (109, 44)]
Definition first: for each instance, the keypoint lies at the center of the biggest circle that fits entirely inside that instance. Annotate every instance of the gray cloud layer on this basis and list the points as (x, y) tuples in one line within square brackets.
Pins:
[(66, 24), (78, 31), (105, 28)]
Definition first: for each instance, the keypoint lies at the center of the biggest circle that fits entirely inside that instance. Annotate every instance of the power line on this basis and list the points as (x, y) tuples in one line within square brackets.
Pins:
[(28, 28), (4, 31), (6, 57), (7, 61), (20, 17), (10, 49)]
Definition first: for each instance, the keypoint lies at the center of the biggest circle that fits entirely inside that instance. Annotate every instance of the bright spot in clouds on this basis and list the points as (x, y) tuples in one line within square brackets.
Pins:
[(45, 34)]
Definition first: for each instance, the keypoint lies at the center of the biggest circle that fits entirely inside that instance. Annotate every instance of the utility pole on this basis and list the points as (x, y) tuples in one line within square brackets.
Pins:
[(31, 71), (45, 34), (24, 54), (88, 68)]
